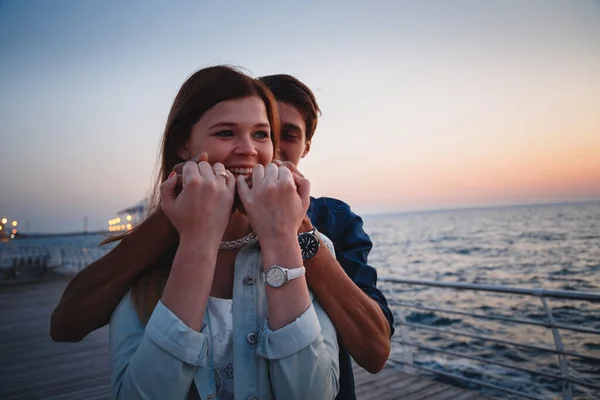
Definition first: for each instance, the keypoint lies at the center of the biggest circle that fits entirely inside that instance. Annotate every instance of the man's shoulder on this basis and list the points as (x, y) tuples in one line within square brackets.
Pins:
[(332, 204), (334, 217)]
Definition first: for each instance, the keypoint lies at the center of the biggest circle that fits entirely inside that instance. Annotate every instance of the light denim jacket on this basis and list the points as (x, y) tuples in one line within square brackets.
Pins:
[(164, 358)]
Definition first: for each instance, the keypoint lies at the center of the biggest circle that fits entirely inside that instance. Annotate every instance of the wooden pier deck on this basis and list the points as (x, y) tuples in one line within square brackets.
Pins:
[(32, 366)]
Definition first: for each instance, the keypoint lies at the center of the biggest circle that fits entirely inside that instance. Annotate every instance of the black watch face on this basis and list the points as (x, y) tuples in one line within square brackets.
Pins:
[(309, 245)]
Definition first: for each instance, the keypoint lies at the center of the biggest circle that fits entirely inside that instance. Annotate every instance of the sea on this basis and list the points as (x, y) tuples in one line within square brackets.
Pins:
[(554, 247), (546, 246)]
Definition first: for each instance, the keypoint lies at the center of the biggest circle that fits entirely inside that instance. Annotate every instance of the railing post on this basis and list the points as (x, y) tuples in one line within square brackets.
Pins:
[(563, 363)]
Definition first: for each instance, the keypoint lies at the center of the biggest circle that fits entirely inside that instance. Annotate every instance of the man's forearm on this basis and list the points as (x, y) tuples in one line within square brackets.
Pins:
[(358, 319), (91, 296)]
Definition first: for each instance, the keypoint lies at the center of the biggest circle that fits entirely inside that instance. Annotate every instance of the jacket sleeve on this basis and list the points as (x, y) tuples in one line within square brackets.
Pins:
[(303, 355), (157, 361)]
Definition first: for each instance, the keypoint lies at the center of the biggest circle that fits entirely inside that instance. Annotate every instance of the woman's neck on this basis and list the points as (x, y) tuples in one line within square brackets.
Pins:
[(237, 227)]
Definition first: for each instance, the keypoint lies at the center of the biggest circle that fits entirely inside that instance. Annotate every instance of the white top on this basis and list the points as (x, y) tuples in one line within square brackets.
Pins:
[(220, 312)]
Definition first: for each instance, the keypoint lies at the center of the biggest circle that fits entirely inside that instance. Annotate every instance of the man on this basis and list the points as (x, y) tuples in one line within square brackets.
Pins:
[(345, 285)]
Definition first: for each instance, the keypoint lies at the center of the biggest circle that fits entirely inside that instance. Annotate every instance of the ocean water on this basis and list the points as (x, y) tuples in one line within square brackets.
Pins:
[(550, 247)]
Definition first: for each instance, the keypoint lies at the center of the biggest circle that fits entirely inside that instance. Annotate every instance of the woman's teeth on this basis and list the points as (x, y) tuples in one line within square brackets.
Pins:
[(241, 171)]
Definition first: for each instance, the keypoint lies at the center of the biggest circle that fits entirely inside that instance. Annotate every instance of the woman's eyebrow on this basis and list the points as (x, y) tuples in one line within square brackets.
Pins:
[(224, 124)]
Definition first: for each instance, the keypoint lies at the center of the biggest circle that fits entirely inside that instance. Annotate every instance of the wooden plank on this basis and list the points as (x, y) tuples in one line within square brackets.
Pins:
[(32, 366)]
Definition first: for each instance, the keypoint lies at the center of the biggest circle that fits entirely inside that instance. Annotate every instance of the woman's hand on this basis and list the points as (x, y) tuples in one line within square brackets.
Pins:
[(277, 201), (203, 206)]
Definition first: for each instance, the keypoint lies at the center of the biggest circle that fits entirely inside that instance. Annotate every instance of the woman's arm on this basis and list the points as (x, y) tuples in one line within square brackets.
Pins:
[(289, 301), (160, 360), (303, 353), (300, 371), (157, 361)]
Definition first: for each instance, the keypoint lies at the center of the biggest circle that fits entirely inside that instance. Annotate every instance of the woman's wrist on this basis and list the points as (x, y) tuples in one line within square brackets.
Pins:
[(199, 242), (282, 250)]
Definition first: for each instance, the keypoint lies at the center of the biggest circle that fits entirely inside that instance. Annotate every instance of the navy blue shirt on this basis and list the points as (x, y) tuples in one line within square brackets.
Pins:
[(335, 219)]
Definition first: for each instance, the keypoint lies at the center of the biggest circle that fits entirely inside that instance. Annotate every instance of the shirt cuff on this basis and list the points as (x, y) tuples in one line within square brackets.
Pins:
[(291, 338), (176, 338)]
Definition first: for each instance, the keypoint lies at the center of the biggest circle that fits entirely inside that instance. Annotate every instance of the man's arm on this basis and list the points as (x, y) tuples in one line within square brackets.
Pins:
[(359, 319), (91, 296)]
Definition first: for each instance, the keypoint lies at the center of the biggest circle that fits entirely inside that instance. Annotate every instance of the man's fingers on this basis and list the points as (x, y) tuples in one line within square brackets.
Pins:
[(303, 186), (290, 165), (167, 189), (203, 156)]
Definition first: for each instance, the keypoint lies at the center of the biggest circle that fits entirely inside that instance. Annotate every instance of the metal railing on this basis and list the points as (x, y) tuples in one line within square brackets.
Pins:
[(563, 374)]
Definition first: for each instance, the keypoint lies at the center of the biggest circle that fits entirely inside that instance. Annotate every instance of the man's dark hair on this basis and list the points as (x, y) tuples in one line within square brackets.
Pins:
[(288, 89)]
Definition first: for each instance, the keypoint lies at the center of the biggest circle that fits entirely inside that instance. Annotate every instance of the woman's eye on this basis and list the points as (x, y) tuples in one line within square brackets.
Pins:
[(261, 135), (224, 133)]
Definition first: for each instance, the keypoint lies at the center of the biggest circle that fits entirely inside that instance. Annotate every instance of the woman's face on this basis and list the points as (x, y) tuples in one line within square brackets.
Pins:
[(235, 133)]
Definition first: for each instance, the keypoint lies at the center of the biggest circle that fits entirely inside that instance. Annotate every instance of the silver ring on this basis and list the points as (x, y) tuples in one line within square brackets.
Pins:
[(222, 173)]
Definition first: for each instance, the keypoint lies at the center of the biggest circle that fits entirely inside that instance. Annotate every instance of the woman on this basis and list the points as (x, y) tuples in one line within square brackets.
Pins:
[(221, 316)]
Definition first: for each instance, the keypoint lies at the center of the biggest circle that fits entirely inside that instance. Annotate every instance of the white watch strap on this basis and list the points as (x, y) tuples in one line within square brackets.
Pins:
[(293, 273)]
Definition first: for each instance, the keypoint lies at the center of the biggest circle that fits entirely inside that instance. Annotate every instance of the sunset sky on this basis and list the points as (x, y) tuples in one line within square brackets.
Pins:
[(426, 104)]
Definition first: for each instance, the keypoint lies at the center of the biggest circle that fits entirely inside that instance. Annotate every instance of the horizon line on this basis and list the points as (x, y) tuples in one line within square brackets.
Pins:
[(483, 207)]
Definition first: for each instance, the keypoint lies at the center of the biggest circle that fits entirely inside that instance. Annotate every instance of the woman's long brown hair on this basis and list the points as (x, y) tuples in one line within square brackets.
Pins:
[(199, 93)]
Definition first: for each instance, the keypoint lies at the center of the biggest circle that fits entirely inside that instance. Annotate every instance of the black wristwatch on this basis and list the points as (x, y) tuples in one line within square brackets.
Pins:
[(309, 244)]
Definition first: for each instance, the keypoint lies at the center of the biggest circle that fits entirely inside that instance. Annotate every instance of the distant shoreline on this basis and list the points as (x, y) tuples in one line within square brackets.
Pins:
[(366, 214), (66, 234)]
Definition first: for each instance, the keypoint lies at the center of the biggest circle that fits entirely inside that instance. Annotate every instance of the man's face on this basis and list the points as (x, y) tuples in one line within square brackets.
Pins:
[(293, 145)]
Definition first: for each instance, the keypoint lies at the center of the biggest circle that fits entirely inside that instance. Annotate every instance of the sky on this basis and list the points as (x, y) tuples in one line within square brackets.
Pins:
[(426, 104)]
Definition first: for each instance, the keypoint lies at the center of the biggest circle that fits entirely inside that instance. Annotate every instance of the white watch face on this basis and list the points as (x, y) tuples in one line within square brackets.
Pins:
[(276, 277)]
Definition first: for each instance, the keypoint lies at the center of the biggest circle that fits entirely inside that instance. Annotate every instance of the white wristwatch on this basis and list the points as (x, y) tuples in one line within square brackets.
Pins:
[(277, 276)]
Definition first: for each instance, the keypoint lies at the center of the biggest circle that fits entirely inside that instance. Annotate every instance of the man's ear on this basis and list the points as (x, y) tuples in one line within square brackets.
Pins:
[(306, 149)]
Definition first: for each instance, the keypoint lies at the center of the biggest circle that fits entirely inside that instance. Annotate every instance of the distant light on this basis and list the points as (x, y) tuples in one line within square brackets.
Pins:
[(129, 218), (1, 227), (12, 236), (123, 227), (118, 220), (14, 223), (4, 220), (14, 231), (128, 226)]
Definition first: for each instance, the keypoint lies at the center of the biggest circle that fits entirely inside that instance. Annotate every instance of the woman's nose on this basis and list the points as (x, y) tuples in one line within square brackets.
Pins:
[(245, 145)]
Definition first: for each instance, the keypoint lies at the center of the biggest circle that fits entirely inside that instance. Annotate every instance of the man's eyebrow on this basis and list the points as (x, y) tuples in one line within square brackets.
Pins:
[(224, 124), (291, 127)]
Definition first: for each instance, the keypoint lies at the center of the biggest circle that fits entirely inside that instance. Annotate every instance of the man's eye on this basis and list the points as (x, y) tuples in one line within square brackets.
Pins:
[(224, 133), (261, 135), (288, 136)]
